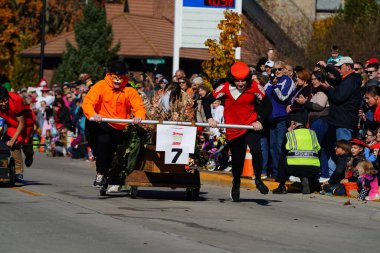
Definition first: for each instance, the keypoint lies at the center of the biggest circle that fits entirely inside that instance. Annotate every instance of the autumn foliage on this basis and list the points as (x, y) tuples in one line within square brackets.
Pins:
[(355, 29), (223, 51), (20, 28)]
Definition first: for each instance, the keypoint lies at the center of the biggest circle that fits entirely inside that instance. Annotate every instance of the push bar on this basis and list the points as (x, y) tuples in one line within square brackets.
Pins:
[(180, 123)]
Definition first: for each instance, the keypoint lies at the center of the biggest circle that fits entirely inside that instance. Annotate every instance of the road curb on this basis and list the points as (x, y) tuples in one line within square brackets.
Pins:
[(225, 180)]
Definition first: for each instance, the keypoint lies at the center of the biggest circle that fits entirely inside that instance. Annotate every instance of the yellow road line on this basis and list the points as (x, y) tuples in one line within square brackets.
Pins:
[(27, 192)]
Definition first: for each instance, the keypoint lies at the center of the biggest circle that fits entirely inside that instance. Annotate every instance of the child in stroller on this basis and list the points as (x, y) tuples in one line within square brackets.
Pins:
[(218, 154)]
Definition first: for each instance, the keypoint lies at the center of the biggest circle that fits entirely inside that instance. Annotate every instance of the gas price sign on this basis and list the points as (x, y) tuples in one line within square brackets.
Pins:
[(226, 4), (220, 3)]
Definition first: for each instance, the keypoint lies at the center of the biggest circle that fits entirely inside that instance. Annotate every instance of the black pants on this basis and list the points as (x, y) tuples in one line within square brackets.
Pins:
[(104, 147), (285, 170), (238, 148)]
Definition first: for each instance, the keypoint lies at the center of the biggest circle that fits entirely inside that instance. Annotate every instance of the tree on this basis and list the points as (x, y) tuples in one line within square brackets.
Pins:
[(93, 52), (20, 28), (223, 51), (355, 29)]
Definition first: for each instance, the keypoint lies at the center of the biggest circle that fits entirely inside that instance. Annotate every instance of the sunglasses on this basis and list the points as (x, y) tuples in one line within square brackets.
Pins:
[(369, 72), (357, 69), (278, 69), (182, 82)]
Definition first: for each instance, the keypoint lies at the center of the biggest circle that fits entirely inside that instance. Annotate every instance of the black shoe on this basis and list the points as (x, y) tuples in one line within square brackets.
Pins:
[(261, 186), (280, 190), (235, 193), (99, 181), (29, 161), (19, 178), (305, 185)]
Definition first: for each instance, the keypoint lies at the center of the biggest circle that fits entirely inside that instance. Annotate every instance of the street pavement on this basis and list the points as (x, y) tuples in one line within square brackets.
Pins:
[(57, 210)]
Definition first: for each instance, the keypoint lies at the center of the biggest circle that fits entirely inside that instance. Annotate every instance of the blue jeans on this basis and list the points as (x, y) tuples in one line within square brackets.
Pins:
[(265, 153), (276, 137), (320, 127), (343, 134)]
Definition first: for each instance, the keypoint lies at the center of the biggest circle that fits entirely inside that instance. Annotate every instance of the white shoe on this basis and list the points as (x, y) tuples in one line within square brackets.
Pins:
[(294, 179), (323, 179), (114, 189), (377, 197), (228, 169)]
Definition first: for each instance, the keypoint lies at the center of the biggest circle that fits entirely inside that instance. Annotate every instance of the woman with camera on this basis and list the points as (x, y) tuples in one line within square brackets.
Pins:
[(318, 110), (279, 89)]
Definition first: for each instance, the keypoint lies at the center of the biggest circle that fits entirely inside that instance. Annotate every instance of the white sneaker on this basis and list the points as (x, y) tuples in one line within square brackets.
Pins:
[(323, 179), (294, 179), (99, 180), (228, 169), (377, 197), (114, 189)]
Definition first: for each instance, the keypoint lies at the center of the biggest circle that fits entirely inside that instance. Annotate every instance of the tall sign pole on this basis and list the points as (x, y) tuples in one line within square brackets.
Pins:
[(177, 34), (42, 55), (195, 21)]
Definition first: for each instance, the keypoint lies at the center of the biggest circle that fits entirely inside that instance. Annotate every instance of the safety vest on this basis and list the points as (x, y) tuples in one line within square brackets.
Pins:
[(303, 147)]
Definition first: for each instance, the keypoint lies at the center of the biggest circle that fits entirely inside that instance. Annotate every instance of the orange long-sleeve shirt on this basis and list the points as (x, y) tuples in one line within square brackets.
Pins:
[(108, 102)]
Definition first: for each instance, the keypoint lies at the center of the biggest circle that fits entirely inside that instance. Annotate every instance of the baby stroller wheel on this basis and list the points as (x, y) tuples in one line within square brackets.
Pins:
[(211, 165), (134, 191), (12, 172), (103, 189)]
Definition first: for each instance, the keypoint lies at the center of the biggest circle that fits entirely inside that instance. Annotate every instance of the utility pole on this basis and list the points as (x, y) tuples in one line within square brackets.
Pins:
[(42, 22)]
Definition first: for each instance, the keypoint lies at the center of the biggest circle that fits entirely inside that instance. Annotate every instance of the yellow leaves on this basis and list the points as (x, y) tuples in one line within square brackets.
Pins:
[(224, 51)]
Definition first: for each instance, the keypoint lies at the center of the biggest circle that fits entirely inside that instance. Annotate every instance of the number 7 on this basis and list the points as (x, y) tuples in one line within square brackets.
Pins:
[(179, 152)]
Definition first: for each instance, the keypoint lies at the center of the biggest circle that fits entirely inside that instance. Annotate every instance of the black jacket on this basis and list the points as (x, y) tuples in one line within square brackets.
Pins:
[(345, 101), (341, 165)]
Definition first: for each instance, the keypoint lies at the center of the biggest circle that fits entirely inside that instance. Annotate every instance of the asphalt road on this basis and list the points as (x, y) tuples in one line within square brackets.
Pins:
[(58, 210)]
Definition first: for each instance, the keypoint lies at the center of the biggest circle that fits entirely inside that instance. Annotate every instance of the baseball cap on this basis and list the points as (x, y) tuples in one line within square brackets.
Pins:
[(372, 60), (344, 60), (269, 63), (163, 80)]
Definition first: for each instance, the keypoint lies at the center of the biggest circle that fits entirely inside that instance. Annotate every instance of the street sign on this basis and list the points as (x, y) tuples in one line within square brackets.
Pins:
[(155, 61)]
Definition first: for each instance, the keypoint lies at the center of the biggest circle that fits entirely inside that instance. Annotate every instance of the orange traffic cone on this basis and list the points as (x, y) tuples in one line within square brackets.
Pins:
[(248, 167), (42, 148)]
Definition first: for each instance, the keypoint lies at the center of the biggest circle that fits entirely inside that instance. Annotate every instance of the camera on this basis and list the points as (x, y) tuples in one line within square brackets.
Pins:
[(272, 76)]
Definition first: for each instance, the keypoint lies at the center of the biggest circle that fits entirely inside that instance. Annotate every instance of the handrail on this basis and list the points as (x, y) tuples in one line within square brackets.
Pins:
[(181, 123)]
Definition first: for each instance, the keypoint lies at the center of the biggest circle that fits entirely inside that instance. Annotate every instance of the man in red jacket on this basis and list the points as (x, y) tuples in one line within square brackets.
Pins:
[(19, 119)]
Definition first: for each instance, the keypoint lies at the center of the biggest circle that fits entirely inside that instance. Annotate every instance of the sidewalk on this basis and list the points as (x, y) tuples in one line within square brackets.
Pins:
[(224, 179)]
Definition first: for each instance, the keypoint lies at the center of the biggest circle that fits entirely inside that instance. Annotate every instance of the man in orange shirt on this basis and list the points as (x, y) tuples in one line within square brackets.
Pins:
[(110, 98)]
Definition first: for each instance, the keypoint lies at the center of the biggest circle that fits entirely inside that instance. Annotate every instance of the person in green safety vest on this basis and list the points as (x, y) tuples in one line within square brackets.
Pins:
[(301, 157)]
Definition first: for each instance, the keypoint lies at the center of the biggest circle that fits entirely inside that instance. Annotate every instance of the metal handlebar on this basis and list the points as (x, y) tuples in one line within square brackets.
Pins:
[(181, 123)]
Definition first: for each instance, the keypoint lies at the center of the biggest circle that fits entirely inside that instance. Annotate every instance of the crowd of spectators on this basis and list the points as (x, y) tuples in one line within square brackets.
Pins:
[(338, 99)]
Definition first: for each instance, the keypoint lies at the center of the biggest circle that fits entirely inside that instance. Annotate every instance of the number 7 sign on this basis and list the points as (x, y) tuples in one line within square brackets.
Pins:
[(176, 156)]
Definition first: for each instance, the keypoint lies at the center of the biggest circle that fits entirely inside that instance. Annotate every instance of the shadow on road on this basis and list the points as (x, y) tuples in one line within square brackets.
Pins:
[(261, 202)]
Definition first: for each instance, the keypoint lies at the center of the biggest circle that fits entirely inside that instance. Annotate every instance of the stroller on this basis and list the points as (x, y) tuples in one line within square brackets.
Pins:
[(7, 163), (218, 156)]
